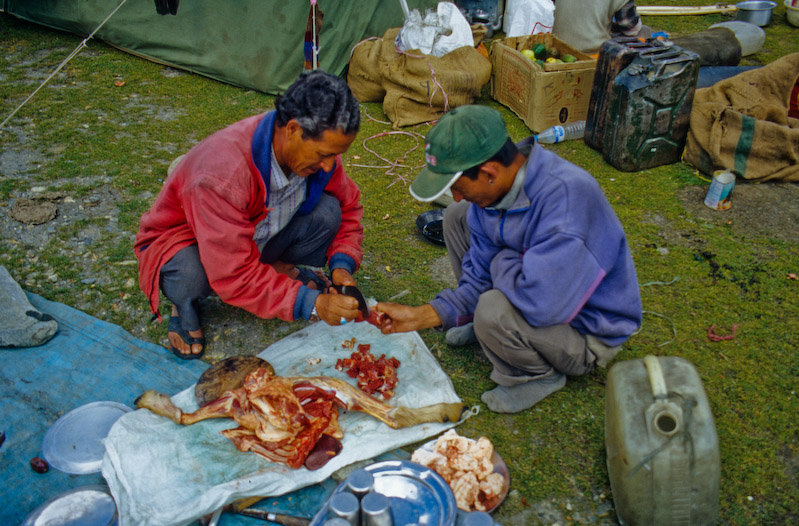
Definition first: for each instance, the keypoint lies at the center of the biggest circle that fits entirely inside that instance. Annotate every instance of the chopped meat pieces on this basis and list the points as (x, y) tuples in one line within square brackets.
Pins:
[(467, 467), (375, 376)]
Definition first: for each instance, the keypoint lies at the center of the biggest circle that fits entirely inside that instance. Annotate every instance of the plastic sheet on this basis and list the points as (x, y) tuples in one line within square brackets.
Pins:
[(437, 33), (528, 17), (86, 361), (164, 474)]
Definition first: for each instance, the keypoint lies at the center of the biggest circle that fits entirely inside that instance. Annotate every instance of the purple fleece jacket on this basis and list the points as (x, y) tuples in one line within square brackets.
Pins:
[(559, 254)]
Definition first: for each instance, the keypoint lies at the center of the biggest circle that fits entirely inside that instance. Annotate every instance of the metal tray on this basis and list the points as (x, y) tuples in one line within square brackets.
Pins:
[(74, 444), (499, 467), (417, 495), (84, 506)]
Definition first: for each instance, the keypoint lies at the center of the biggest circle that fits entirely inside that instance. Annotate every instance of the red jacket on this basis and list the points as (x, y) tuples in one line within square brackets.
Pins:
[(215, 197)]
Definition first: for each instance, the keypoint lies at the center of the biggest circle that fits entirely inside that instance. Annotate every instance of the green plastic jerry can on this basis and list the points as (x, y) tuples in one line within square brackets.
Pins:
[(662, 447)]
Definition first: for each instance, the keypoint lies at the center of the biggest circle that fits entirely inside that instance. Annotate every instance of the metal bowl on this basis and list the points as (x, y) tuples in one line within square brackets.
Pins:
[(792, 13), (756, 12)]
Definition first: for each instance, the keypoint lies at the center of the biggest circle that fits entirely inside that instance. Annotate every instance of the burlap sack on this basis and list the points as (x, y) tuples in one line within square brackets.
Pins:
[(368, 58), (742, 124), (414, 87)]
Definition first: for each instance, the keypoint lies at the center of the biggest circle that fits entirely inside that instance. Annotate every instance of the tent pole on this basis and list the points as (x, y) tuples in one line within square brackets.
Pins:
[(315, 51), (405, 10)]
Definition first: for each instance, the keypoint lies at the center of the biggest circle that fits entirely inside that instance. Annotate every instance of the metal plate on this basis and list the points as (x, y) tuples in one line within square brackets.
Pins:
[(417, 495), (74, 444), (84, 506), (499, 467)]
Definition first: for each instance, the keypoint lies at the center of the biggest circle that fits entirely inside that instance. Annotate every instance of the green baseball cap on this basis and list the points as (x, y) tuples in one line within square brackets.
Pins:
[(463, 138)]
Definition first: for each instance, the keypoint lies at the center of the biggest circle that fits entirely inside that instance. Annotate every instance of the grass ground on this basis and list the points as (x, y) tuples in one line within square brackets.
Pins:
[(98, 139)]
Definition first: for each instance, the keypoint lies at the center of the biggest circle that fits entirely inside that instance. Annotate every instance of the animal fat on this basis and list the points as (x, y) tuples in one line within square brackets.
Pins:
[(662, 447)]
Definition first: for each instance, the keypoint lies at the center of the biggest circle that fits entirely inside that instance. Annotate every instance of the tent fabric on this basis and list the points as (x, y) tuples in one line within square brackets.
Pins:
[(88, 360), (256, 44)]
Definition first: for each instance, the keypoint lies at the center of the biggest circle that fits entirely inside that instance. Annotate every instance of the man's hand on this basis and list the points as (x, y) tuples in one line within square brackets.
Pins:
[(333, 307), (340, 276), (402, 318)]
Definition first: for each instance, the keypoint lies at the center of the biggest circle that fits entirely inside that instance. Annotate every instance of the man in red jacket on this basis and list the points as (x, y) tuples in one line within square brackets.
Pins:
[(248, 205)]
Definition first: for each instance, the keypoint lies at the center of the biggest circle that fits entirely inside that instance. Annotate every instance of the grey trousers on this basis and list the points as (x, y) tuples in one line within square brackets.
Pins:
[(303, 241), (518, 351)]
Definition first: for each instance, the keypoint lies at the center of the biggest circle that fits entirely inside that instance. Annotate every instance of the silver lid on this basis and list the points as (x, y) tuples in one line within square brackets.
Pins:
[(336, 521), (360, 482), (346, 506), (376, 510)]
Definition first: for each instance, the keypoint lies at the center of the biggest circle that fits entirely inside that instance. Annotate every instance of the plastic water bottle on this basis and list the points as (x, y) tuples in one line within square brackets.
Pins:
[(575, 130)]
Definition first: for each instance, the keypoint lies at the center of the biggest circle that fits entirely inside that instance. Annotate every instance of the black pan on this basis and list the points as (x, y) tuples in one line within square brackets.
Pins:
[(431, 225)]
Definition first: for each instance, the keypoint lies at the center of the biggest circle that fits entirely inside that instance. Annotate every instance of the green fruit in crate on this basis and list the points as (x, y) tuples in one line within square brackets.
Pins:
[(540, 50), (569, 58)]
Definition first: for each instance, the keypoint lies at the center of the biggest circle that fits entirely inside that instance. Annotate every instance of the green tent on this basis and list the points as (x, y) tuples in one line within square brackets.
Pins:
[(256, 44)]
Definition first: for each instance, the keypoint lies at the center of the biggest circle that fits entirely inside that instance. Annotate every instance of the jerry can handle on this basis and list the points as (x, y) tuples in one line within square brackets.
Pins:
[(656, 380)]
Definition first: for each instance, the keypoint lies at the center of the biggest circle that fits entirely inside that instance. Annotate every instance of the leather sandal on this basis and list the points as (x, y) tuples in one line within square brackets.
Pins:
[(174, 326)]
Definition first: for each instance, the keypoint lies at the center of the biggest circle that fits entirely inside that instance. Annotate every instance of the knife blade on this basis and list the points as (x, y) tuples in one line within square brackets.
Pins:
[(354, 292), (278, 518)]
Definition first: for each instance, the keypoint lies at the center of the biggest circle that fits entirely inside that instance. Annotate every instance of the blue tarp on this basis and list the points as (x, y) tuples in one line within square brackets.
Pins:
[(88, 360)]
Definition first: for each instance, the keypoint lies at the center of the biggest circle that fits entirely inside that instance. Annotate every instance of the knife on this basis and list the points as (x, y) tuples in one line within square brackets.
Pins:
[(278, 518), (354, 292)]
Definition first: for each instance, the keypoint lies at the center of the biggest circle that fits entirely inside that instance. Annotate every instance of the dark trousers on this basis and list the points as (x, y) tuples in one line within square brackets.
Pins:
[(303, 241)]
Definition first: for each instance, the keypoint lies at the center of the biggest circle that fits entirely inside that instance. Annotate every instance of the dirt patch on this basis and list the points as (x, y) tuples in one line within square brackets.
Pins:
[(33, 212), (441, 270), (768, 210)]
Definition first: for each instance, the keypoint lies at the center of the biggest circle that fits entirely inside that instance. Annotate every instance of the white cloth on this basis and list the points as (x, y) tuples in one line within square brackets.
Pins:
[(528, 17), (163, 474)]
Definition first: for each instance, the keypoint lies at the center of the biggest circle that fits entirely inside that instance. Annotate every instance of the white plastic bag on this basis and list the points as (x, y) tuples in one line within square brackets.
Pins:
[(438, 33), (528, 17)]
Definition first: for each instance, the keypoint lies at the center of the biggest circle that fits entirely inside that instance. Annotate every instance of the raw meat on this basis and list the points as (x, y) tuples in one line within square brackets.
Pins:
[(283, 418)]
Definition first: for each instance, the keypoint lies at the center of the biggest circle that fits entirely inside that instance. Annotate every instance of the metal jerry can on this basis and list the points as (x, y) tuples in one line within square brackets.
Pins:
[(650, 104), (662, 447), (614, 55)]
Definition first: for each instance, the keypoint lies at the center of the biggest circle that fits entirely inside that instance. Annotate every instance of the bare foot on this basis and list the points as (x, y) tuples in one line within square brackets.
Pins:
[(177, 342)]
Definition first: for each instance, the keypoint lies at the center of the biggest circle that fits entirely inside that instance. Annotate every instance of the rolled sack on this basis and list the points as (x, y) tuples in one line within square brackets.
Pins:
[(716, 47)]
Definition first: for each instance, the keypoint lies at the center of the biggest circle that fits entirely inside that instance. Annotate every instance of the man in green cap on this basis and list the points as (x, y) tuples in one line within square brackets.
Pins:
[(546, 281)]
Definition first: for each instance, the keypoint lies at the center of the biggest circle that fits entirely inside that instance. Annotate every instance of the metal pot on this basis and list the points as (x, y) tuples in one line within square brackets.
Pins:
[(756, 12), (792, 13)]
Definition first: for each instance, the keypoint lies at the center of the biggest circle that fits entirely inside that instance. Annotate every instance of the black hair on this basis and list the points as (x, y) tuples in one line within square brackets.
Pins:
[(319, 101), (505, 156)]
